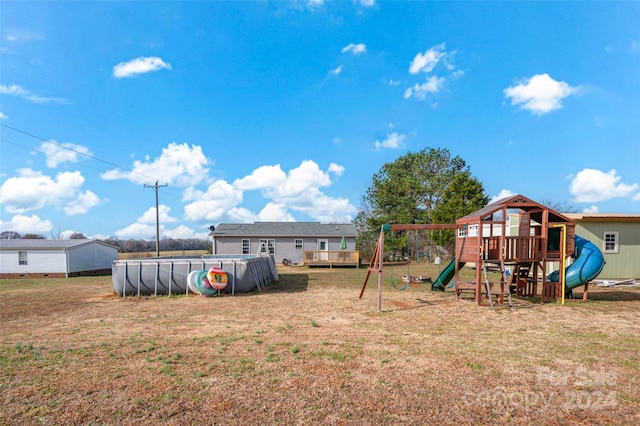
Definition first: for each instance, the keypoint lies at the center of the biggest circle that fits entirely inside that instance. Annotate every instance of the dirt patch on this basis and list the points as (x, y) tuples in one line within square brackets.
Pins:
[(401, 305), (307, 350)]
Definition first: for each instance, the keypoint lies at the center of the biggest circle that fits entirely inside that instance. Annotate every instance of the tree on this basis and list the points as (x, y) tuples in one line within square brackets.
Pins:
[(465, 195), (77, 236), (414, 186), (10, 235), (408, 189), (367, 236), (562, 207), (33, 237)]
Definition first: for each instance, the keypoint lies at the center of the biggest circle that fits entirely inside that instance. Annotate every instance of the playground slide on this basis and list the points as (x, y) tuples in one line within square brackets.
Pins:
[(445, 276), (586, 267)]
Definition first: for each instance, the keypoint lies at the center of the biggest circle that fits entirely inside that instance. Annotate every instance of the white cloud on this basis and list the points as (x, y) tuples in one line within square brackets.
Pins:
[(539, 94), (262, 177), (591, 186), (31, 190), (315, 4), (590, 209), (3, 116), (367, 3), (394, 141), (427, 61), (18, 34), (274, 212), (295, 190), (180, 232), (355, 49), (26, 225), (299, 190), (394, 82), (83, 202), (178, 165), (420, 91), (504, 193), (241, 215), (66, 234), (139, 65), (636, 197), (336, 169), (163, 215), (213, 204), (57, 153), (337, 71), (21, 92), (145, 226), (306, 177), (138, 230)]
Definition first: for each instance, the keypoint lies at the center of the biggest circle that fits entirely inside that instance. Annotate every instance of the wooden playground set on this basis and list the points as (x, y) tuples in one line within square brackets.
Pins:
[(516, 237)]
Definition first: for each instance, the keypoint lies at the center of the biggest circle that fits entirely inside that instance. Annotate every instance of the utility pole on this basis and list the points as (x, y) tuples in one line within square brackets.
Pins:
[(156, 186)]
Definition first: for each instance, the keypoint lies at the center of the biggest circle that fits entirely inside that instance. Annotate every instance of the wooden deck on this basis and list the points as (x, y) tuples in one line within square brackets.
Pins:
[(331, 258)]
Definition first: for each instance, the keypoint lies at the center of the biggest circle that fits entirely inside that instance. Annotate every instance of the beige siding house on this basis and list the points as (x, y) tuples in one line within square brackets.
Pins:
[(293, 243), (618, 237)]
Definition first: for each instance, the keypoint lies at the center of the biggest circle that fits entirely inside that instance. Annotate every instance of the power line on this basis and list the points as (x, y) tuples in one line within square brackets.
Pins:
[(170, 193), (84, 154), (75, 151), (28, 148)]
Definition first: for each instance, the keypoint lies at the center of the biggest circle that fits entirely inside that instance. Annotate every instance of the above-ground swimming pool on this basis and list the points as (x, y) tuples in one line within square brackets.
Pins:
[(168, 275)]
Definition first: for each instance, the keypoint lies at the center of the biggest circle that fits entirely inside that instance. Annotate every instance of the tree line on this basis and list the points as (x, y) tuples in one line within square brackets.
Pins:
[(126, 246)]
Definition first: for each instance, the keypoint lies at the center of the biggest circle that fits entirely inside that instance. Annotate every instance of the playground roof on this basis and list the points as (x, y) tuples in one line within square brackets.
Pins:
[(516, 202)]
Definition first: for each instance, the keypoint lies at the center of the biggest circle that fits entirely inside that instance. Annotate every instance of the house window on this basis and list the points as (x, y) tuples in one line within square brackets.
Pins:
[(268, 246), (473, 230), (22, 257), (298, 244), (462, 233), (246, 247), (611, 242)]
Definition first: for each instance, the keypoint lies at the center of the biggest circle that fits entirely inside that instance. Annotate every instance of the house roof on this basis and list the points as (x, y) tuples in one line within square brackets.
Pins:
[(604, 217), (284, 229), (40, 244), (516, 202)]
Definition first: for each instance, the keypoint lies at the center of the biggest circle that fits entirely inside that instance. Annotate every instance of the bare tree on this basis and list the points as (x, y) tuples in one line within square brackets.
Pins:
[(10, 235)]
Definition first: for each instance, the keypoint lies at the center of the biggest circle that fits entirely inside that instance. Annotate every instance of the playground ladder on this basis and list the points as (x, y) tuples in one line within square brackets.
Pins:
[(503, 283), (486, 283)]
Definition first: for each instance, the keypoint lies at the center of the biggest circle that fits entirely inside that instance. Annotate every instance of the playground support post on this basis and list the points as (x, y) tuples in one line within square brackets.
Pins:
[(377, 260), (563, 254)]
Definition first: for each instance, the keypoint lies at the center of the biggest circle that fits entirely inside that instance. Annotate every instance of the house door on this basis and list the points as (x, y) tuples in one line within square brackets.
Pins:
[(323, 249)]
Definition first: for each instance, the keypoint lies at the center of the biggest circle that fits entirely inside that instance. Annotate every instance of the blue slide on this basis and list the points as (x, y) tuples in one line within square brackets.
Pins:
[(588, 264)]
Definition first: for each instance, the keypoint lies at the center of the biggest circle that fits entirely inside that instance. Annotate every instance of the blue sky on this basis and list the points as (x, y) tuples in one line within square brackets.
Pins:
[(283, 111)]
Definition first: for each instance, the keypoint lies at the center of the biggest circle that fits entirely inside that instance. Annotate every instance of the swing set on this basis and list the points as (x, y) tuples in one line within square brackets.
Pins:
[(377, 259), (407, 278)]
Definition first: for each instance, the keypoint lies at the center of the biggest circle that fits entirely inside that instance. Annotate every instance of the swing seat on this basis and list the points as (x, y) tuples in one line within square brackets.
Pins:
[(415, 279)]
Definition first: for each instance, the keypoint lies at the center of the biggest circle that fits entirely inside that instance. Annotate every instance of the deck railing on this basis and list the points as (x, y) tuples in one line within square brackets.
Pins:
[(516, 249), (331, 257)]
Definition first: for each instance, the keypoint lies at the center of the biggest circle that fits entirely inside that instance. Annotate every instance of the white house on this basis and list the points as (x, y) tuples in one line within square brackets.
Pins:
[(55, 258)]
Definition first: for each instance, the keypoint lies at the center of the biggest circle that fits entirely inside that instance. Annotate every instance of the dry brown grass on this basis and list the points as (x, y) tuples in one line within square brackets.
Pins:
[(307, 350)]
